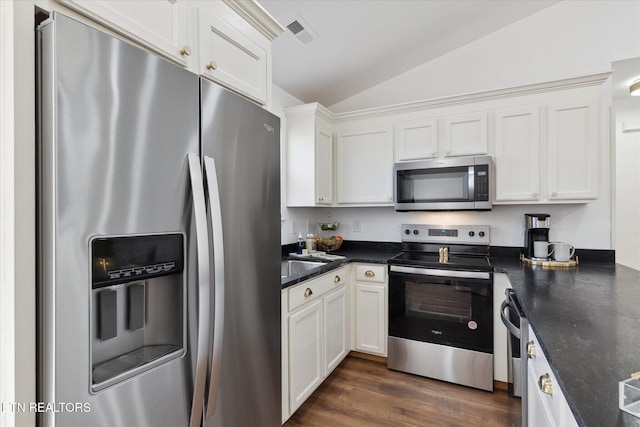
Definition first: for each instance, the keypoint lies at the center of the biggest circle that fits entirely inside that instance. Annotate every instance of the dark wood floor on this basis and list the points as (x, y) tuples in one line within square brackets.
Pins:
[(364, 392)]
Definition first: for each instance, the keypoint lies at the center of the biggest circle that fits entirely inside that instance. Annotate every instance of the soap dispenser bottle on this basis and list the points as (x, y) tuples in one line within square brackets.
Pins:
[(301, 244)]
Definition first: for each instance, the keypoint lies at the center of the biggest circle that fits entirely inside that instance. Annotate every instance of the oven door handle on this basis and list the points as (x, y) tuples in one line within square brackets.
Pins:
[(440, 273), (513, 329)]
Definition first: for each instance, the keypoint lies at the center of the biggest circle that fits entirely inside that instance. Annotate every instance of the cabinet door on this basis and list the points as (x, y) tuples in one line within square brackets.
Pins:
[(309, 155), (305, 353), (370, 333), (230, 58), (324, 164), (465, 135), (538, 411), (573, 150), (335, 328), (517, 154), (157, 24), (365, 166), (417, 140)]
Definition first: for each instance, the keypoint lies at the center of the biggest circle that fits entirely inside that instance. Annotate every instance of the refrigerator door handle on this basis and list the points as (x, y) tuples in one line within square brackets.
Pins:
[(202, 243), (214, 206)]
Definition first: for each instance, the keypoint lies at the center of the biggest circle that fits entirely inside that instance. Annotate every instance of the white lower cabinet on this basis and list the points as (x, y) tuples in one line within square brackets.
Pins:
[(315, 335), (336, 322), (370, 309), (547, 405), (305, 353)]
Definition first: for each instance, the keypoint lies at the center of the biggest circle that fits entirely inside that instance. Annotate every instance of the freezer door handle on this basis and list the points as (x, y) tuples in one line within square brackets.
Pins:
[(211, 179), (202, 243)]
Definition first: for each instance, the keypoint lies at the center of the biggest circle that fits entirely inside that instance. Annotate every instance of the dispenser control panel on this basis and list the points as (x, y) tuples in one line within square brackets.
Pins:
[(123, 259)]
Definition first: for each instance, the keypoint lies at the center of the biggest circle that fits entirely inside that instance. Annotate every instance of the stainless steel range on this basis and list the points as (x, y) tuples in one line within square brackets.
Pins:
[(441, 304)]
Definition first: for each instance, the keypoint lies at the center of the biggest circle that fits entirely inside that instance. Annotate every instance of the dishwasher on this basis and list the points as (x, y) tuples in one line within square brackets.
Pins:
[(514, 319)]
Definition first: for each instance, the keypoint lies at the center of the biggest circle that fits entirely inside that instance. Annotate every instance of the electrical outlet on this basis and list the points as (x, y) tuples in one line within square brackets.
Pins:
[(294, 226), (356, 226)]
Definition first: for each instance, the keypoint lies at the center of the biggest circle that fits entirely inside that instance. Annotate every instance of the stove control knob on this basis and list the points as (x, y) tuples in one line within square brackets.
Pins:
[(407, 231), (471, 234), (481, 234), (415, 232)]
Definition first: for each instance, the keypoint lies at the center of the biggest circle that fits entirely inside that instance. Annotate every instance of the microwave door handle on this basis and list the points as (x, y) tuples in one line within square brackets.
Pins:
[(472, 183), (513, 329), (215, 211), (202, 243)]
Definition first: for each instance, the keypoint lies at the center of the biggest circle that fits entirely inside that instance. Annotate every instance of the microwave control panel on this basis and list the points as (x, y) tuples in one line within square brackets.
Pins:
[(481, 183)]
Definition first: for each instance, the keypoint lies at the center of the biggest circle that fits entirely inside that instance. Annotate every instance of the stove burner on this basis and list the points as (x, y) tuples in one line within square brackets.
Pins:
[(467, 247), (455, 262)]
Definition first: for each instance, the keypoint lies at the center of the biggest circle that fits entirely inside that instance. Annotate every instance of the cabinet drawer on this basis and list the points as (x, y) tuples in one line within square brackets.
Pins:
[(313, 289), (371, 273), (538, 362), (544, 384)]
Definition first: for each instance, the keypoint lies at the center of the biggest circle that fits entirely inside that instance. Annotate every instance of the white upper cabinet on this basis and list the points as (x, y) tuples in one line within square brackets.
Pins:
[(517, 154), (231, 58), (465, 135), (227, 41), (544, 140), (159, 25), (417, 139), (309, 156), (572, 153), (568, 141), (446, 136), (364, 161)]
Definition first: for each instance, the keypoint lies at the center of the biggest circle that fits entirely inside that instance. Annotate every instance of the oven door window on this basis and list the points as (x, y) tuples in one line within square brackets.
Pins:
[(453, 312), (439, 185)]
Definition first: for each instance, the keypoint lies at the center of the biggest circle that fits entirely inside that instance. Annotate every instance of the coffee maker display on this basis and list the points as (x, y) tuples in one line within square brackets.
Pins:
[(536, 230)]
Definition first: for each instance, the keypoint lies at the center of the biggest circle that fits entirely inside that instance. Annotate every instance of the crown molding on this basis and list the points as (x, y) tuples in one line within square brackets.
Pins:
[(312, 108), (257, 16), (552, 86)]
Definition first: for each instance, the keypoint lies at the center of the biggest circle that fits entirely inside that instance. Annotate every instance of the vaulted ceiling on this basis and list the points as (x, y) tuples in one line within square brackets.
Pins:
[(358, 44)]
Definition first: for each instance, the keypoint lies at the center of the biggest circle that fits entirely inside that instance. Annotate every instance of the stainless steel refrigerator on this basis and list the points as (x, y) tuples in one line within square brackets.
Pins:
[(159, 241)]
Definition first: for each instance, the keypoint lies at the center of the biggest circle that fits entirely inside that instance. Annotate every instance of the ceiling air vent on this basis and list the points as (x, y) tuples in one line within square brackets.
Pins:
[(302, 31)]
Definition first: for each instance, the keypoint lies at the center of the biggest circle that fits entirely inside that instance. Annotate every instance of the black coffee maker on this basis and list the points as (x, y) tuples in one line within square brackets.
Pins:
[(536, 230)]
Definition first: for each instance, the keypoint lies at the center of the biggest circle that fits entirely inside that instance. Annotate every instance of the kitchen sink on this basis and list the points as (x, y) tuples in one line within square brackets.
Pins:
[(294, 266)]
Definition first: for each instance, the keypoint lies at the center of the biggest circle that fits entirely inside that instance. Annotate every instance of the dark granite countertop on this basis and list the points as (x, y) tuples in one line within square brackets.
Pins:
[(587, 320), (369, 252)]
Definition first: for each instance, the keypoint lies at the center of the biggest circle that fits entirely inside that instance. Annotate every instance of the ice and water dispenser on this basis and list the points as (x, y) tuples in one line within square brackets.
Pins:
[(138, 305)]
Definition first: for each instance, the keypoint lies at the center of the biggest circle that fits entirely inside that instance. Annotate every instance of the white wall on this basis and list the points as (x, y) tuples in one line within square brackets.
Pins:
[(507, 223), (17, 211), (627, 171), (571, 38)]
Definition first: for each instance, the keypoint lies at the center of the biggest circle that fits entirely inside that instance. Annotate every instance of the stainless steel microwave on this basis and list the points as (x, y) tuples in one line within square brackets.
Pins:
[(454, 183)]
